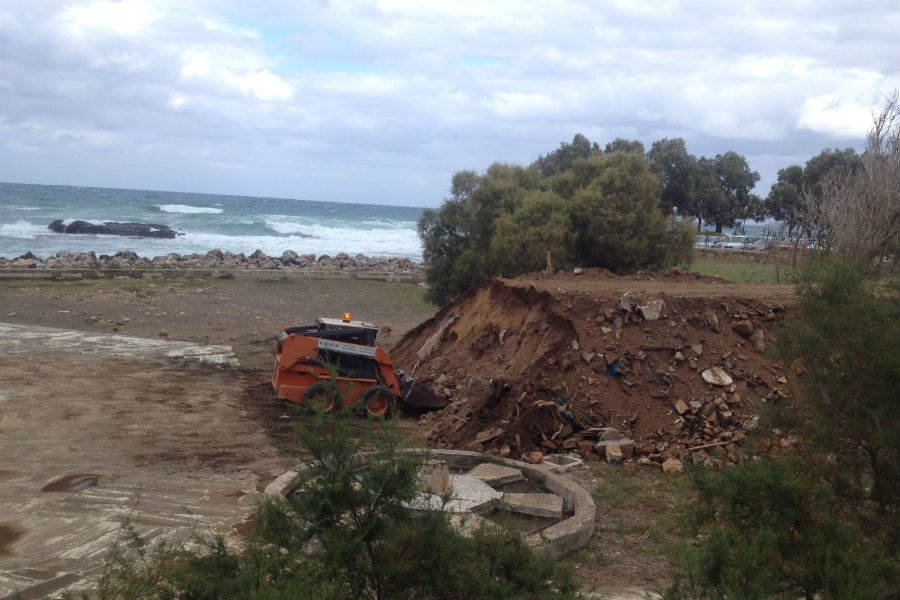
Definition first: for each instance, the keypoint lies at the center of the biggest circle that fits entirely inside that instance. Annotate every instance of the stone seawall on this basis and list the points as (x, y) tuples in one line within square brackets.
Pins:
[(212, 265)]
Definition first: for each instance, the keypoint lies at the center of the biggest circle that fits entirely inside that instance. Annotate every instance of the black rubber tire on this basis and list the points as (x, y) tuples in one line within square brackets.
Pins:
[(378, 401), (321, 397)]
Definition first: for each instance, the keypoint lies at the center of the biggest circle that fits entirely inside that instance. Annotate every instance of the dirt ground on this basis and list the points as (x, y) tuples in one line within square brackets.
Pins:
[(154, 437)]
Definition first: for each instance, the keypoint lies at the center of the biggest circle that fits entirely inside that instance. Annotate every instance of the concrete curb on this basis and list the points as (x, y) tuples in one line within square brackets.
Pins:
[(556, 540)]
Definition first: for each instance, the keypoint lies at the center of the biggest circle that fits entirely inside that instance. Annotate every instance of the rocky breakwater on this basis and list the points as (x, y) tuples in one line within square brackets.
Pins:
[(113, 228), (216, 259)]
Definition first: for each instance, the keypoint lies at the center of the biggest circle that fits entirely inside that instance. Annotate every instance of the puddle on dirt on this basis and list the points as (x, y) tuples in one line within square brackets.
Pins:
[(71, 483), (10, 533)]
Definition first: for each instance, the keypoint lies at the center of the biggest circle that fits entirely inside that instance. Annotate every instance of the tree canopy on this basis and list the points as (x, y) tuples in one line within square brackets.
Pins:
[(587, 207)]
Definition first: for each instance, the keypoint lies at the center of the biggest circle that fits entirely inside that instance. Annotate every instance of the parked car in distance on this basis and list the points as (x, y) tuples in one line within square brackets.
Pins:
[(736, 242), (709, 241)]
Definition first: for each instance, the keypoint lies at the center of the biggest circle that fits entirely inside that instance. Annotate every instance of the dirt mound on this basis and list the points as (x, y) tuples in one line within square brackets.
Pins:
[(536, 367)]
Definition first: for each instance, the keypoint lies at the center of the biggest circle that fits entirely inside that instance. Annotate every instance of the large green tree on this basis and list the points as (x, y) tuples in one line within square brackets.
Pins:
[(562, 158), (616, 221), (785, 200), (795, 197), (670, 160), (541, 223), (586, 207), (736, 202), (457, 236)]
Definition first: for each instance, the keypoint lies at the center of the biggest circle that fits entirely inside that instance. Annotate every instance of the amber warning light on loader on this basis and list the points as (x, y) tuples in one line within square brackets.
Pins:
[(346, 317)]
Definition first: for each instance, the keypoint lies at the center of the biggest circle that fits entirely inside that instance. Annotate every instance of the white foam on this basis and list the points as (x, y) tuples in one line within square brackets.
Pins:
[(184, 209), (22, 229)]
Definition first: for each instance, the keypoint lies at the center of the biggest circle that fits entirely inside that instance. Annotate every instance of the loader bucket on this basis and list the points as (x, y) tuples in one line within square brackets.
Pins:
[(416, 395)]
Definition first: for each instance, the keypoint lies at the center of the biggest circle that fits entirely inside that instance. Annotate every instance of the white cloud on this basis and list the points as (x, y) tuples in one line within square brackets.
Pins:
[(430, 87), (836, 117), (264, 85), (127, 17)]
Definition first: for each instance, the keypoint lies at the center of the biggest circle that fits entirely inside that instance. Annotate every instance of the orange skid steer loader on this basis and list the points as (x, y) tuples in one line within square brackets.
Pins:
[(306, 357)]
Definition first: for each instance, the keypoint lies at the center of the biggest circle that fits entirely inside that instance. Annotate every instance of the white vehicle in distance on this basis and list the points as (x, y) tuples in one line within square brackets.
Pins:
[(736, 242), (743, 242), (709, 241)]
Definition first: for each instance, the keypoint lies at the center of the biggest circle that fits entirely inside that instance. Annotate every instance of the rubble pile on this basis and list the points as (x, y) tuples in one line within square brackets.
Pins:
[(636, 378)]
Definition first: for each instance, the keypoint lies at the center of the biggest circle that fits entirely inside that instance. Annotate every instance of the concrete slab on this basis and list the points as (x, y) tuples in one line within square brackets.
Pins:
[(560, 463), (539, 505), (37, 341), (92, 433), (496, 475), (467, 494)]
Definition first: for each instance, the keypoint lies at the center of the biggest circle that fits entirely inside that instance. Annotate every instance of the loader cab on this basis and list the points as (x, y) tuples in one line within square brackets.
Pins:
[(352, 332)]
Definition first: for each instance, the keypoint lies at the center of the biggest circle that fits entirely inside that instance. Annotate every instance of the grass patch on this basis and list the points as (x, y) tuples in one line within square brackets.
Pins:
[(740, 272), (638, 526), (363, 296)]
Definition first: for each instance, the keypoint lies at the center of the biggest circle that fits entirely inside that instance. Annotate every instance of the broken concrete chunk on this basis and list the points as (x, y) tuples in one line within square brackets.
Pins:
[(681, 407), (697, 349), (673, 467), (716, 376), (759, 341), (712, 321), (625, 447), (487, 435), (435, 477), (431, 342), (539, 505), (626, 302), (743, 328), (610, 433), (496, 475), (653, 309), (614, 454)]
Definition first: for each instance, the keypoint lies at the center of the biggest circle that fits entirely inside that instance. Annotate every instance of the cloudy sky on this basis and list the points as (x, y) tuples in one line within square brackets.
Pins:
[(382, 101)]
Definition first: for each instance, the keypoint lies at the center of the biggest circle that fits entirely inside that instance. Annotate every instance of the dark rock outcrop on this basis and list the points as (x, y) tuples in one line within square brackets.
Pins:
[(113, 228)]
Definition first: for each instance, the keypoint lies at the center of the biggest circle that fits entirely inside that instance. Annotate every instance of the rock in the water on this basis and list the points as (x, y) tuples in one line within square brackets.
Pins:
[(716, 376), (113, 228)]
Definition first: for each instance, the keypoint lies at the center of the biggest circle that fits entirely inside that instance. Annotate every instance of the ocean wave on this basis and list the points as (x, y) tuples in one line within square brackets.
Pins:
[(22, 230), (184, 209), (292, 225)]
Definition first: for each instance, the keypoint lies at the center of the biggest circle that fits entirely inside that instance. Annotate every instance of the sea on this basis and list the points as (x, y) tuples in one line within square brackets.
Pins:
[(207, 221)]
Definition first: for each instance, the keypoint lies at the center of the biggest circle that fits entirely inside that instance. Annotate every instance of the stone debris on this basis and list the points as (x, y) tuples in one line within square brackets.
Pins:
[(595, 377), (653, 309), (717, 376), (496, 475), (539, 505), (216, 259), (673, 467)]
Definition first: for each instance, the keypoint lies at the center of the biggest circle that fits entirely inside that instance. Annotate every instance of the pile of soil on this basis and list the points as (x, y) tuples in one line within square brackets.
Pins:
[(544, 362)]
